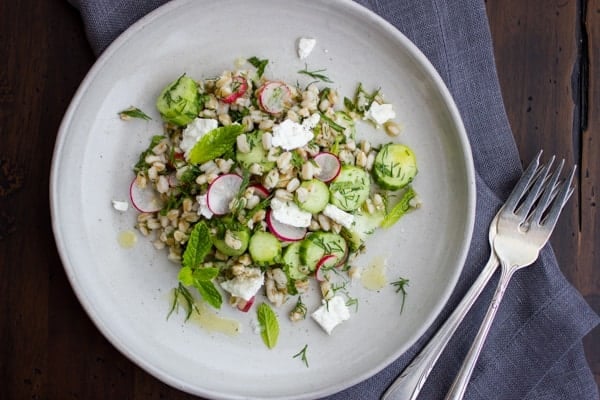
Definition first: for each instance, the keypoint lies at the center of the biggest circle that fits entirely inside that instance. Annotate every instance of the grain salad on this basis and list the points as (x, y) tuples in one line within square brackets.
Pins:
[(257, 188)]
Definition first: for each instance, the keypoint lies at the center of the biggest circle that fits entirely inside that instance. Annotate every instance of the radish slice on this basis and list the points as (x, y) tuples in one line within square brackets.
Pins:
[(330, 166), (323, 263), (146, 199), (285, 232), (173, 181), (245, 305), (239, 86), (260, 191), (221, 191), (274, 97)]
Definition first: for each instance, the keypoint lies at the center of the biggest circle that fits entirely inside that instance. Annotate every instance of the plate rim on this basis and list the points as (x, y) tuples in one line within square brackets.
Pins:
[(70, 270)]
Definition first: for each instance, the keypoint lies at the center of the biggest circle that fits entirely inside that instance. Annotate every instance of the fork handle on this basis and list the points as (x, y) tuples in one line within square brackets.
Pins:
[(410, 382), (459, 386)]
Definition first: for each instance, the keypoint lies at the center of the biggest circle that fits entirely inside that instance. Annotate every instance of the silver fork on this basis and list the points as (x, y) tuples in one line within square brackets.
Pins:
[(412, 379), (525, 224)]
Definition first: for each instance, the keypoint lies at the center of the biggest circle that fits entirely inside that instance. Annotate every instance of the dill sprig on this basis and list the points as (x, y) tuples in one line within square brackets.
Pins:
[(302, 355), (401, 285), (133, 112), (316, 74)]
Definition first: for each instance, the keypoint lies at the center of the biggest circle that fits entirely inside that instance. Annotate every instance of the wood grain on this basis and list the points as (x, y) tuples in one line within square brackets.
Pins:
[(548, 62), (548, 58)]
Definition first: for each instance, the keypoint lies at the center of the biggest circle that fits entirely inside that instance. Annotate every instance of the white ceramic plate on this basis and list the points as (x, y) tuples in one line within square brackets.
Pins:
[(126, 291)]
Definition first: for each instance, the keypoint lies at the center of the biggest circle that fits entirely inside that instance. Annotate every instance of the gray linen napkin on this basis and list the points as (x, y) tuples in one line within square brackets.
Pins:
[(534, 350)]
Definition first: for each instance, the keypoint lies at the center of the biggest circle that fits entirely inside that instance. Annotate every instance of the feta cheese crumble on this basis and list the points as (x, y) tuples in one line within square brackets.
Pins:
[(338, 215), (331, 313), (380, 113), (120, 205), (246, 285), (291, 135), (203, 209), (305, 46), (194, 131), (287, 212)]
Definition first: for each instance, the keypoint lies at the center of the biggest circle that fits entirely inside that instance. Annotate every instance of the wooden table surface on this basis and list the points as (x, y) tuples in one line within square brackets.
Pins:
[(548, 59)]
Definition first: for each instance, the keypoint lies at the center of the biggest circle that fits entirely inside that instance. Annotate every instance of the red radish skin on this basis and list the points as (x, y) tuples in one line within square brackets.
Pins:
[(330, 166), (245, 305), (319, 274), (240, 90), (144, 200), (221, 191), (274, 96), (284, 232), (260, 191)]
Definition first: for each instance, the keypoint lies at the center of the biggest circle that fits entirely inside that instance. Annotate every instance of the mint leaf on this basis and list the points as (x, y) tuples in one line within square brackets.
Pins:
[(209, 293), (186, 276), (399, 209), (214, 144), (269, 326), (205, 274), (198, 246)]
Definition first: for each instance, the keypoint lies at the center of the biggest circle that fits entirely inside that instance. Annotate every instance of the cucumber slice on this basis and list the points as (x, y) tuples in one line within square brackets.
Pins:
[(318, 196), (320, 244), (243, 236), (350, 189), (264, 248), (364, 225), (395, 166), (256, 155), (292, 265)]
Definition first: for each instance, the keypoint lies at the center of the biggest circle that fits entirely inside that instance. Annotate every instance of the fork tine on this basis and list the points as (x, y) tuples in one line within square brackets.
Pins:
[(523, 183), (536, 190), (565, 191), (549, 193)]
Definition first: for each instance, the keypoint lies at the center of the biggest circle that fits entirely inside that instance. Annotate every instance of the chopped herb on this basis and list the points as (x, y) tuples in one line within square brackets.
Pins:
[(324, 93), (332, 124), (401, 284), (259, 65), (209, 293), (302, 355), (192, 273), (300, 308), (214, 144), (238, 115), (362, 99), (173, 202), (352, 301), (133, 112), (142, 164), (316, 74), (349, 104), (297, 160), (399, 209), (269, 326), (187, 297), (198, 246)]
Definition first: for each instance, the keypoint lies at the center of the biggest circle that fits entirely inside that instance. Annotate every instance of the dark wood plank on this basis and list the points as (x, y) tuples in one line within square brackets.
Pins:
[(540, 55), (587, 272)]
